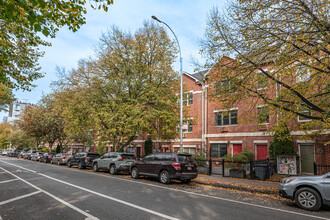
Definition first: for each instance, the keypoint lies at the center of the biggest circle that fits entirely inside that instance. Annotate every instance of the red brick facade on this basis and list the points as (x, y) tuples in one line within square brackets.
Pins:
[(245, 135)]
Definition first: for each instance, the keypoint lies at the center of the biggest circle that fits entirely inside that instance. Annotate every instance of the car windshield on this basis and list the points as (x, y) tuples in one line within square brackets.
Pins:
[(127, 156), (185, 158)]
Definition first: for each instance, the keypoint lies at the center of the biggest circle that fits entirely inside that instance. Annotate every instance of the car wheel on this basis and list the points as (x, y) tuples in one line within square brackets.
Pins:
[(186, 181), (112, 169), (164, 177), (69, 164), (80, 166), (135, 173), (308, 199), (95, 167)]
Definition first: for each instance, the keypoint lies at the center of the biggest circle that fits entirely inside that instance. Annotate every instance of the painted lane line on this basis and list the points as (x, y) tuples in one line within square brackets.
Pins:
[(54, 197), (113, 199), (7, 181), (196, 194), (19, 197), (107, 197)]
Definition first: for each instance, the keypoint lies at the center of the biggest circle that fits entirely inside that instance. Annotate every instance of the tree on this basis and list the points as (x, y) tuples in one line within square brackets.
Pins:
[(22, 22), (31, 122), (6, 97), (20, 140), (282, 145), (129, 89), (281, 45), (5, 132), (148, 147)]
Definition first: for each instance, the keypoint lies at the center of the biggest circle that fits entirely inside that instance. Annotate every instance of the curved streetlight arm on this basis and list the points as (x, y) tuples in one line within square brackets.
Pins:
[(181, 96)]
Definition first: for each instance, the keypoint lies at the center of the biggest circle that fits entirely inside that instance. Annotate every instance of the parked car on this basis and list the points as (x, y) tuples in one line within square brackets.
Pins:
[(36, 156), (47, 157), (14, 153), (114, 162), (83, 159), (22, 153), (166, 166), (28, 154), (4, 152), (61, 158), (308, 192)]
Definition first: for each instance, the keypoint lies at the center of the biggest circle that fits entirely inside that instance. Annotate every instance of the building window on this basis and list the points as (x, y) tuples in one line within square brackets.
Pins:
[(218, 150), (262, 81), (188, 126), (224, 87), (187, 99), (225, 118), (130, 150), (263, 115), (302, 118), (188, 150), (303, 73)]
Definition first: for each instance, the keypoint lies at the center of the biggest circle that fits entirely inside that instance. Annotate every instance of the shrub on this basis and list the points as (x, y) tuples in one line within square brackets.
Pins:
[(282, 144), (148, 147), (238, 161), (200, 159)]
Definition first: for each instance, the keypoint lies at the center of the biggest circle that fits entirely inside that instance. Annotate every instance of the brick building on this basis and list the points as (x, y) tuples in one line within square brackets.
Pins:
[(215, 131)]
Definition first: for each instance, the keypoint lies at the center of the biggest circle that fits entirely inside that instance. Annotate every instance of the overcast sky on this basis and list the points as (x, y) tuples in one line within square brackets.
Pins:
[(187, 18)]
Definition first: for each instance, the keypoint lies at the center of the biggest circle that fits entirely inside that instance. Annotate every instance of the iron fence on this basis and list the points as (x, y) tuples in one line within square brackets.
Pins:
[(260, 169), (321, 169)]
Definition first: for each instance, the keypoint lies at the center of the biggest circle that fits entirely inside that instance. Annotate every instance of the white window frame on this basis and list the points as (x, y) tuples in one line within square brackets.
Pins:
[(221, 113)]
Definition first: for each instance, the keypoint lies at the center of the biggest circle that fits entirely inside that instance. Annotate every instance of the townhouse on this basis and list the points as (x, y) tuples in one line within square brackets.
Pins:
[(214, 131)]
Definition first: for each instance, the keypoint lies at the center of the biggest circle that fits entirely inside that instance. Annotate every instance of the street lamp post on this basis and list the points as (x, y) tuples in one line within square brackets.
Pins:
[(181, 102)]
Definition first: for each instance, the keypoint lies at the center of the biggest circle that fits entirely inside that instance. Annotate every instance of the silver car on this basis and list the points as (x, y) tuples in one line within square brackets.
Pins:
[(114, 162), (309, 192), (61, 158)]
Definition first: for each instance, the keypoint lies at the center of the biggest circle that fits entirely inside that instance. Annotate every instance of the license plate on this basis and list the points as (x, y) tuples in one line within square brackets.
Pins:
[(188, 168)]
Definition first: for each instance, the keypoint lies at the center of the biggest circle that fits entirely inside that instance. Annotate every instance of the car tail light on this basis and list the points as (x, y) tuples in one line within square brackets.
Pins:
[(63, 157), (121, 159), (176, 166), (49, 156), (196, 166), (39, 155)]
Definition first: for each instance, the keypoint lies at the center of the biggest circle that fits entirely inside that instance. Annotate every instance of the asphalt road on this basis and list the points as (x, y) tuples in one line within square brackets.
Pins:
[(32, 190)]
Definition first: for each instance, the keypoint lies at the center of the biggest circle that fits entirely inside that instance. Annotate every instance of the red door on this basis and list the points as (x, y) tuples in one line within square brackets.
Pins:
[(262, 152), (237, 148)]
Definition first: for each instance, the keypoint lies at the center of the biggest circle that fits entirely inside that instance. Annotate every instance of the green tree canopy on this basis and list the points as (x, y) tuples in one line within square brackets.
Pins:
[(22, 22), (5, 133), (130, 88), (279, 53)]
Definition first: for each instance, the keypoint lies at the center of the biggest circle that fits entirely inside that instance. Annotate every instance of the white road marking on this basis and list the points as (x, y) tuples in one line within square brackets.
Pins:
[(0, 217), (96, 193), (54, 197), (7, 181), (187, 192), (19, 197)]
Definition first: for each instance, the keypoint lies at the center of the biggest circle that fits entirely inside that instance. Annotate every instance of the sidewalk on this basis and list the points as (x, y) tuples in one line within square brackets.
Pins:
[(247, 185)]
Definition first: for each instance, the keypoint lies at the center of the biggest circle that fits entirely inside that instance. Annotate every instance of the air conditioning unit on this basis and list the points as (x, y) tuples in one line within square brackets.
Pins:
[(224, 129)]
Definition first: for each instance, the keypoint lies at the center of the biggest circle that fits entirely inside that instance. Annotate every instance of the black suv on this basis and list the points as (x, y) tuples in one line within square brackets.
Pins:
[(166, 166), (83, 159)]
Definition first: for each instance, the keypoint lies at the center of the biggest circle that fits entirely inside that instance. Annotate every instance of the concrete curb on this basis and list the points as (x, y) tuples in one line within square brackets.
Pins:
[(239, 188)]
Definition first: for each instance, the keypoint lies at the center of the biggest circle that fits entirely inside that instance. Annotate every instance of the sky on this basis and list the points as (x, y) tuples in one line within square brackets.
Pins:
[(187, 18)]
